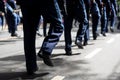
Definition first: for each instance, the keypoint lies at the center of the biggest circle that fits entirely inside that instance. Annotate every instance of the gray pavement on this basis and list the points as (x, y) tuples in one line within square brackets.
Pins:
[(84, 64)]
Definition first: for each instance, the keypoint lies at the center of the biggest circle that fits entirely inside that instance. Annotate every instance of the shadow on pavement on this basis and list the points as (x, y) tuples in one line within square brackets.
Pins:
[(13, 58), (21, 76)]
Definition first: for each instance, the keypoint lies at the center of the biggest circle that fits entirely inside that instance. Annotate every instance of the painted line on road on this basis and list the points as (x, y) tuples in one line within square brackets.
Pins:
[(92, 54), (58, 78), (111, 40)]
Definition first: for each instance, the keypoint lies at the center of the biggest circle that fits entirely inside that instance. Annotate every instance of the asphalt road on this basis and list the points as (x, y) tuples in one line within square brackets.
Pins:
[(99, 60)]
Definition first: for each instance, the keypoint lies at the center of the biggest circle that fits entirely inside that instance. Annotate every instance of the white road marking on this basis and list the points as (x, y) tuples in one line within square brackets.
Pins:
[(111, 40), (92, 54), (58, 78)]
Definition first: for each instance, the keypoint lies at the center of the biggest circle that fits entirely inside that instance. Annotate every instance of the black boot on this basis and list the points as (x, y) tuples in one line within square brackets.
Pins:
[(46, 58)]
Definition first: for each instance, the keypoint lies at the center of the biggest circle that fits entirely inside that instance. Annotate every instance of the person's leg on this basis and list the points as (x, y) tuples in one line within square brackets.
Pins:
[(81, 16), (103, 22), (9, 24), (44, 27), (1, 20), (13, 25), (87, 32), (95, 21), (67, 34), (18, 19), (52, 13), (112, 22), (30, 24), (87, 35), (81, 33), (107, 20)]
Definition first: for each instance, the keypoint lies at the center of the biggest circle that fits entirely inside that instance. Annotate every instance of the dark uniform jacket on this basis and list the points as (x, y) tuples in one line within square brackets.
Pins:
[(2, 7), (107, 4), (75, 4)]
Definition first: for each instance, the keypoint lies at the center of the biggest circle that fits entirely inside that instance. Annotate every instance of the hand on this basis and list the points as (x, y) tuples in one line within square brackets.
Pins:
[(1, 13)]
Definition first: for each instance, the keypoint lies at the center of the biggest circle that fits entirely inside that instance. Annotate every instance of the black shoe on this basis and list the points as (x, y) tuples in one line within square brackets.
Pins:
[(79, 44), (111, 29), (85, 43), (68, 52), (103, 33), (32, 71), (14, 35), (46, 58), (94, 37)]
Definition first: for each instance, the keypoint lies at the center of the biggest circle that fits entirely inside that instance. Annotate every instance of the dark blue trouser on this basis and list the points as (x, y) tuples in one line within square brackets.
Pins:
[(95, 12), (31, 16), (79, 14), (95, 22), (12, 22), (112, 17), (87, 6), (103, 20), (44, 27), (13, 19), (108, 14), (1, 20)]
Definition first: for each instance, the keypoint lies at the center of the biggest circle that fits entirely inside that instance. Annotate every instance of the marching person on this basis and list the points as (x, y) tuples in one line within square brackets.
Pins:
[(113, 14), (75, 10), (87, 34), (31, 11), (95, 12), (12, 18)]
